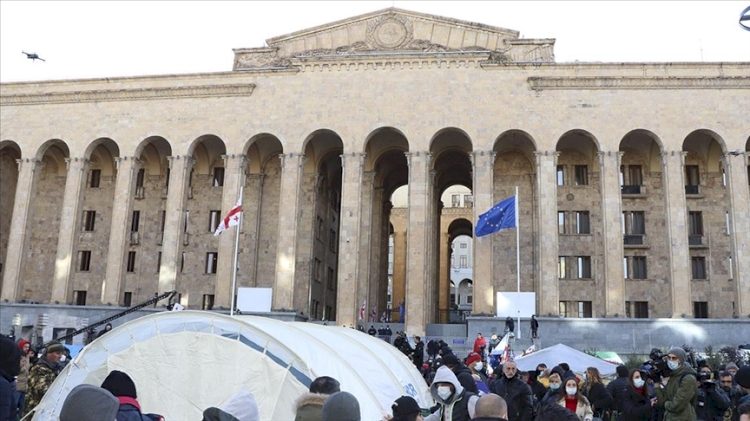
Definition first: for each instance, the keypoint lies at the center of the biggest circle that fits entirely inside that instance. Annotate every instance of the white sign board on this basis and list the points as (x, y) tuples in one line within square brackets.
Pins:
[(509, 303), (254, 299)]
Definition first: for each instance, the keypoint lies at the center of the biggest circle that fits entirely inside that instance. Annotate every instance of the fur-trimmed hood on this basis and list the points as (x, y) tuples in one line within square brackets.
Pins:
[(309, 406)]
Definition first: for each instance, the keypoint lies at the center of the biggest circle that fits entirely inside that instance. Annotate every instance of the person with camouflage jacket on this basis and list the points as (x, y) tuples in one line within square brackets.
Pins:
[(42, 375)]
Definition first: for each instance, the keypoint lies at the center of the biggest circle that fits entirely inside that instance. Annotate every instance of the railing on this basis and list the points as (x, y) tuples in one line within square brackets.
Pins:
[(454, 316), (692, 190), (633, 239), (135, 238), (695, 240), (631, 189)]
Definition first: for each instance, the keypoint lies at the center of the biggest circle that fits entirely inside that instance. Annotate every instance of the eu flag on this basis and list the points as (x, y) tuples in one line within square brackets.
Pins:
[(502, 215)]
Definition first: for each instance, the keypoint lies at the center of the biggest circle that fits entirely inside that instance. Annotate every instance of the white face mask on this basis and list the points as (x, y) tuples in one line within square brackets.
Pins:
[(478, 366), (673, 365), (571, 391), (62, 359), (554, 386), (444, 392), (639, 382)]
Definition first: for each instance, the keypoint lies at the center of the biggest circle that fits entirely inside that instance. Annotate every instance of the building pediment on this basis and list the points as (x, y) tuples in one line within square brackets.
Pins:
[(394, 32)]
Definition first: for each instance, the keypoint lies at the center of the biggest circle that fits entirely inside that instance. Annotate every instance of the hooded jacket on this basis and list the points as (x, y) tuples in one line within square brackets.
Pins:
[(517, 395), (309, 407), (461, 404), (678, 397)]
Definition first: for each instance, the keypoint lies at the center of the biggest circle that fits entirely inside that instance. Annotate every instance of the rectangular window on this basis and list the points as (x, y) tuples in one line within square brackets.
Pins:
[(332, 240), (561, 223), (131, 262), (139, 178), (560, 175), (723, 177), (135, 221), (469, 299), (453, 261), (84, 260), (316, 269), (584, 309), (640, 309), (563, 309), (639, 267), (562, 267), (692, 175), (168, 174), (330, 280), (625, 269), (635, 175), (700, 309), (211, 259), (182, 262), (214, 219), (218, 177), (584, 267), (455, 200), (319, 231), (94, 178), (637, 223), (453, 299), (80, 298), (127, 300), (468, 200), (727, 218), (730, 266), (89, 219), (698, 264), (582, 175), (208, 301), (158, 262), (463, 245), (583, 223), (463, 261), (696, 223)]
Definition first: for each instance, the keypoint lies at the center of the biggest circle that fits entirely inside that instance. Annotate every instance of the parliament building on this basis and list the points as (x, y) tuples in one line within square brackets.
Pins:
[(633, 178)]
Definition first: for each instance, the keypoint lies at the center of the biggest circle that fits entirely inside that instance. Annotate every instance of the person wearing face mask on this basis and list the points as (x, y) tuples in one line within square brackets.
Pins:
[(516, 392), (636, 404), (574, 401), (555, 390), (476, 365), (454, 402), (711, 401), (677, 393)]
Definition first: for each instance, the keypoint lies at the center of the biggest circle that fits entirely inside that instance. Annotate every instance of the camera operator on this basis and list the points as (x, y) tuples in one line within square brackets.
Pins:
[(678, 390), (711, 400)]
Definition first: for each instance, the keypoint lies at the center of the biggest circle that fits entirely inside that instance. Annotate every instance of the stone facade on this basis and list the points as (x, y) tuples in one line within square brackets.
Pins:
[(321, 126)]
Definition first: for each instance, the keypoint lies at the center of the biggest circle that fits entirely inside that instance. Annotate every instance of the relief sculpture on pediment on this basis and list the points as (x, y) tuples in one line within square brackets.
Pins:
[(389, 32)]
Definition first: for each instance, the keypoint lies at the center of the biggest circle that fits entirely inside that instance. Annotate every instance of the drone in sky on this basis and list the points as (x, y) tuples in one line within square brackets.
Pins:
[(32, 56)]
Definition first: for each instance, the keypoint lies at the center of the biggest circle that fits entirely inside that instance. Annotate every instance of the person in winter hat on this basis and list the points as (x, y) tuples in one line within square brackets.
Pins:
[(309, 406), (341, 406), (406, 408), (676, 393), (10, 366), (453, 400), (89, 403), (122, 387), (19, 399)]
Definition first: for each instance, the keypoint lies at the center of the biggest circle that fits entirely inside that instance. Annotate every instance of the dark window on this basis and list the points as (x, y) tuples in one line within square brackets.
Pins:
[(584, 309), (463, 261), (561, 223), (211, 260), (332, 240), (692, 175), (639, 267), (208, 301), (182, 263), (637, 223), (696, 223), (89, 219), (131, 262), (94, 178), (139, 178), (582, 175), (560, 175), (700, 309), (330, 278), (584, 267), (168, 173), (640, 309), (583, 223), (163, 220), (698, 267), (563, 309), (214, 219), (562, 267), (127, 300), (453, 299), (158, 262), (218, 177), (135, 221), (80, 298), (84, 260), (635, 175), (319, 230)]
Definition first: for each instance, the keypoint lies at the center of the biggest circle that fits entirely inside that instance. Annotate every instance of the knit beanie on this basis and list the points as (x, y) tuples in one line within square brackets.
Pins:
[(679, 353), (743, 377), (731, 365), (120, 384), (473, 357), (341, 406), (242, 406), (55, 346), (21, 343), (89, 403)]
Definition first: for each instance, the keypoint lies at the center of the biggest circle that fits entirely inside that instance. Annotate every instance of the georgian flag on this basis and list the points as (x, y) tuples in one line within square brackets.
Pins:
[(232, 218), (362, 310)]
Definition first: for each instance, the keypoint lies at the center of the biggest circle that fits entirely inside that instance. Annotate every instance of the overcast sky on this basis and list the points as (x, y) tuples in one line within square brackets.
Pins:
[(111, 39)]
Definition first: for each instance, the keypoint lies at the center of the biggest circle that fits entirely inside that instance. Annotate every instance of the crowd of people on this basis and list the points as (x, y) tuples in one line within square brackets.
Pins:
[(463, 389)]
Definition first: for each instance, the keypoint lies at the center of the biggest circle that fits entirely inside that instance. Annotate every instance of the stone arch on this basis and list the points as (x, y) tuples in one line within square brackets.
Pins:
[(10, 145), (318, 145), (450, 138), (580, 142), (259, 149), (381, 141), (153, 152), (705, 147), (10, 152), (207, 150), (102, 153)]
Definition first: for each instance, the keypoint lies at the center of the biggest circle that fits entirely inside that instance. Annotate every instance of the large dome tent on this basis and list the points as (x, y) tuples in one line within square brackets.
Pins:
[(185, 361)]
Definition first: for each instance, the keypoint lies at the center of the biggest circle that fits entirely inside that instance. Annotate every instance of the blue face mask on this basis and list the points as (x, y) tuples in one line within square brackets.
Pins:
[(673, 365), (554, 386)]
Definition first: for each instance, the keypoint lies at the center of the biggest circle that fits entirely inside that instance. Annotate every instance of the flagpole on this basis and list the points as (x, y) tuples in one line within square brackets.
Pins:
[(518, 265), (236, 252)]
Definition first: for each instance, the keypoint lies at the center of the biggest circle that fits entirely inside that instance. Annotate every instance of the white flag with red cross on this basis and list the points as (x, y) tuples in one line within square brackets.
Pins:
[(232, 219)]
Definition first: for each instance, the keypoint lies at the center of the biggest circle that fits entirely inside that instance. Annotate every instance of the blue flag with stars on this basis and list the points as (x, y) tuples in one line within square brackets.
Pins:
[(502, 215)]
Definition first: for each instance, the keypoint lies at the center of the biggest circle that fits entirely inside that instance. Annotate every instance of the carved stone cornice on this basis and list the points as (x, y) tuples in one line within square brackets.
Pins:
[(630, 82), (135, 94)]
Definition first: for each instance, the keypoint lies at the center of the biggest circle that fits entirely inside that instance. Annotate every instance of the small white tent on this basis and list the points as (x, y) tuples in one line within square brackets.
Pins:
[(554, 355), (184, 362)]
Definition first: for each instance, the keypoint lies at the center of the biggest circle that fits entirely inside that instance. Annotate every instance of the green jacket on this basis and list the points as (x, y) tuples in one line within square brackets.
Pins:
[(678, 396), (41, 376)]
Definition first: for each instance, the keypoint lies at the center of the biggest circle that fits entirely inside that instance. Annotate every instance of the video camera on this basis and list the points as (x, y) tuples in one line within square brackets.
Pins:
[(656, 367)]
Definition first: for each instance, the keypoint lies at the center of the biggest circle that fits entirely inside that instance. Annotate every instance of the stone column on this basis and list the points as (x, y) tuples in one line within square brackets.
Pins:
[(445, 278), (119, 231), (679, 270), (174, 226), (67, 243), (418, 243), (483, 163), (614, 284), (234, 179), (372, 228), (350, 292), (286, 254), (256, 182), (20, 228), (735, 166), (398, 292), (548, 294), (382, 268)]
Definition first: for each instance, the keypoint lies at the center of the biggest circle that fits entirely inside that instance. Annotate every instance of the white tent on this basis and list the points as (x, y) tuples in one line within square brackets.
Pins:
[(554, 355), (184, 362)]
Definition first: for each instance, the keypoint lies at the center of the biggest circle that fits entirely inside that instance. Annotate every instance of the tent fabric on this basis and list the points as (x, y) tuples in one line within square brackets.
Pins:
[(554, 355), (184, 362)]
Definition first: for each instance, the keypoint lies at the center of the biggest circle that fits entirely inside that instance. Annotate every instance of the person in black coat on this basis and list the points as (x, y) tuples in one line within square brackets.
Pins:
[(618, 386), (462, 372), (10, 367), (537, 388), (510, 326), (596, 393), (636, 404), (516, 393), (418, 358)]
